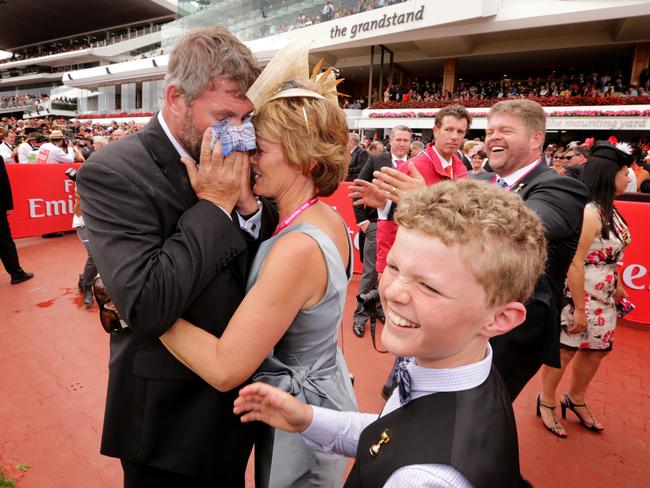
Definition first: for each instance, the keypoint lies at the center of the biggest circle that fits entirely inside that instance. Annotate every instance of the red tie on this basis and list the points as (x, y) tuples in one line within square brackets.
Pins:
[(448, 171), (399, 163)]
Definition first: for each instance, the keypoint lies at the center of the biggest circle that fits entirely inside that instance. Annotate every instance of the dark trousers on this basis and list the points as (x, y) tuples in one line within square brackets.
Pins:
[(8, 253), (369, 277), (90, 270), (519, 353), (138, 475)]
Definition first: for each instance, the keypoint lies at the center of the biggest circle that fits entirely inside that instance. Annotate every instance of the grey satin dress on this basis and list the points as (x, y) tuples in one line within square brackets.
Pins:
[(308, 364)]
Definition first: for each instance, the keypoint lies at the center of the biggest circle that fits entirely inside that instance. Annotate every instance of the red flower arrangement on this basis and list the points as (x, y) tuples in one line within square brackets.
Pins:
[(568, 113), (121, 115)]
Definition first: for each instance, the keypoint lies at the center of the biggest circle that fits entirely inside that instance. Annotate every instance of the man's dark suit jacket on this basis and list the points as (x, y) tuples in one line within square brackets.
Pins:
[(374, 163), (357, 161), (576, 170), (6, 197), (559, 201), (162, 254)]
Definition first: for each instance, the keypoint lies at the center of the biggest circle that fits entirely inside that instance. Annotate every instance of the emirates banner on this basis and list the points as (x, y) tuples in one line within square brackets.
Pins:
[(636, 263), (43, 198), (44, 201)]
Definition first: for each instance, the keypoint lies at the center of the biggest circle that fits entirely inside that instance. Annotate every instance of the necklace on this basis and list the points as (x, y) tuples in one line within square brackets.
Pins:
[(294, 214)]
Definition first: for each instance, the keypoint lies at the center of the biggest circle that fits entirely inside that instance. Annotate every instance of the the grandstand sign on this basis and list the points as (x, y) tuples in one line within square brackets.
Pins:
[(380, 22)]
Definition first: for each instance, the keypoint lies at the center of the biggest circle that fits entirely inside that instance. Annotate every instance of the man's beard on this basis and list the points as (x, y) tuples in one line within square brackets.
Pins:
[(190, 137)]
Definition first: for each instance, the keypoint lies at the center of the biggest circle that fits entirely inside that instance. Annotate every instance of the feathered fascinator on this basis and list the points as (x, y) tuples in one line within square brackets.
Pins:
[(620, 152), (287, 75)]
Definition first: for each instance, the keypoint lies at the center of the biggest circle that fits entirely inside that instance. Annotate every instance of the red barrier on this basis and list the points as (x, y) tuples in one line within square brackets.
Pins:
[(636, 262), (43, 198), (43, 201), (340, 201)]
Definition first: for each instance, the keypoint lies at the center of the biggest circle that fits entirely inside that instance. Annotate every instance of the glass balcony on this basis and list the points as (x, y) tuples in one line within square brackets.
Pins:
[(255, 19)]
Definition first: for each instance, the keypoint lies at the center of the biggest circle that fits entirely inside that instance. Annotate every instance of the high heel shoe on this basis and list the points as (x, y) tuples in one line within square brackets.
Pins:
[(557, 428), (566, 402)]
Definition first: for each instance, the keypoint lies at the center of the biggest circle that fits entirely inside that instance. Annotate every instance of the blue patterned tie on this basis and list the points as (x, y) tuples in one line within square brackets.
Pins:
[(403, 382), (501, 182)]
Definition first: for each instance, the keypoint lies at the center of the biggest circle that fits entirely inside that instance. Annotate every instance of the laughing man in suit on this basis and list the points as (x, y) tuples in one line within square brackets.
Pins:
[(514, 137)]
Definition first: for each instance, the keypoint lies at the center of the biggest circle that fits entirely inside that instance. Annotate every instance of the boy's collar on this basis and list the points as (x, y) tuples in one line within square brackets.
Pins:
[(460, 378)]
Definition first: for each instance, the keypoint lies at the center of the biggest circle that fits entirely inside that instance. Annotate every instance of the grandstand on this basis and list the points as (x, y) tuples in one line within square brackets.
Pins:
[(47, 38), (587, 62)]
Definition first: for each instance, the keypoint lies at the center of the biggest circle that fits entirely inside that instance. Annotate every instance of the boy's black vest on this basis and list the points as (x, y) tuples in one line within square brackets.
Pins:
[(473, 430)]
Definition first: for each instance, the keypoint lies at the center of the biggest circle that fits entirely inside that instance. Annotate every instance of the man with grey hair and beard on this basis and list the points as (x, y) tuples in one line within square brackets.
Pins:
[(164, 252)]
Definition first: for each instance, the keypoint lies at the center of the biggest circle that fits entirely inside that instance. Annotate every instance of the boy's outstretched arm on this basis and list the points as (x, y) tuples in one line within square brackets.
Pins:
[(328, 430), (272, 406)]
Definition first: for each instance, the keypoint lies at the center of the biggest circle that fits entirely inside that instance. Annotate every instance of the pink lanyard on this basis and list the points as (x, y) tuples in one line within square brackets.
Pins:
[(294, 215)]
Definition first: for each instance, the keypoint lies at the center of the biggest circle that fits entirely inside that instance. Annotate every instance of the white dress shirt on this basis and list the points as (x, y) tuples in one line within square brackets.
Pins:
[(6, 152), (250, 226), (513, 178), (23, 152), (443, 161), (339, 432)]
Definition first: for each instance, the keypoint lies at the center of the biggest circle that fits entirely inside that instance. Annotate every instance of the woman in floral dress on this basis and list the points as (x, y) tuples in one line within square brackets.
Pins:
[(593, 289)]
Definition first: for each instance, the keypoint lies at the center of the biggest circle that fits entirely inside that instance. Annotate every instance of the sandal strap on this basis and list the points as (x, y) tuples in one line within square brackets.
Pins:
[(552, 408), (556, 423), (571, 404)]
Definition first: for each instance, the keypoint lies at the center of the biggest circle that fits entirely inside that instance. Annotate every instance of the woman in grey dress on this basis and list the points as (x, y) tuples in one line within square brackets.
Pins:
[(287, 326)]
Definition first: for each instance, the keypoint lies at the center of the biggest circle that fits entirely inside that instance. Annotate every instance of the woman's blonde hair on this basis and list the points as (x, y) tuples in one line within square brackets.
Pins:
[(502, 240), (308, 129)]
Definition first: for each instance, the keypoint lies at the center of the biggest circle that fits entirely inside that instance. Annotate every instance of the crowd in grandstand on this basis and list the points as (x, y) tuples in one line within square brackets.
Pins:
[(553, 84), (69, 45), (328, 11), (27, 100)]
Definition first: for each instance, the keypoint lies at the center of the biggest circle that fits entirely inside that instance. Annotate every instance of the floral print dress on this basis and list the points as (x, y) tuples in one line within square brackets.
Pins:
[(601, 281)]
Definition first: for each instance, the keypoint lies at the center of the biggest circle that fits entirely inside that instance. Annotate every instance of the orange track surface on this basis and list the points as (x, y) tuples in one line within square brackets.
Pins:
[(53, 373)]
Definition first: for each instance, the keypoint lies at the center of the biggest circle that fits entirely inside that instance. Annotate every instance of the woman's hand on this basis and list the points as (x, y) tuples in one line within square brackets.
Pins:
[(579, 322), (272, 406)]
